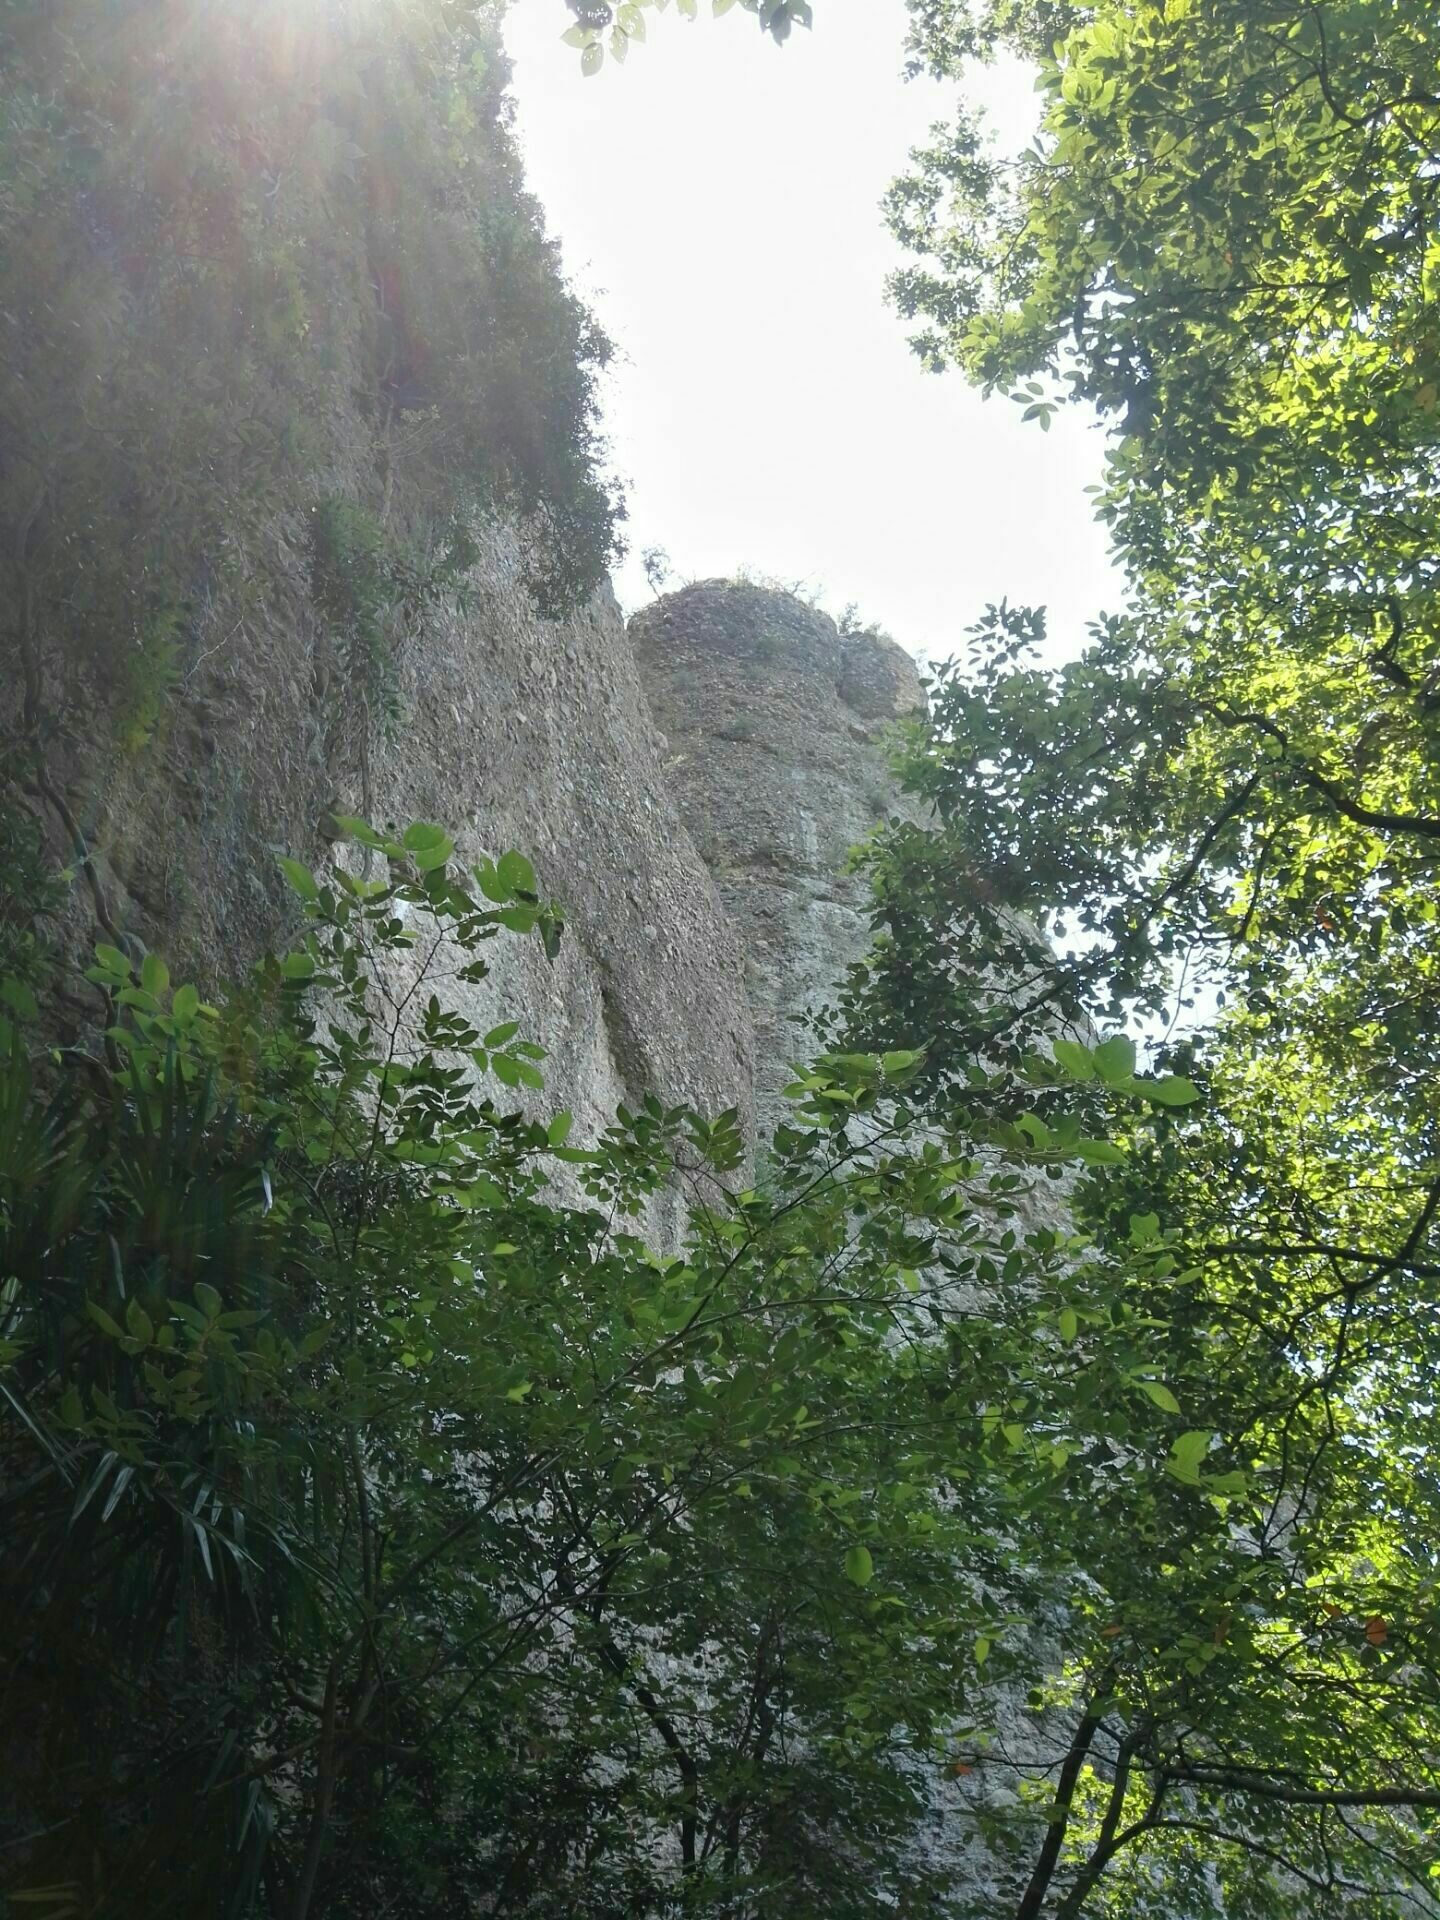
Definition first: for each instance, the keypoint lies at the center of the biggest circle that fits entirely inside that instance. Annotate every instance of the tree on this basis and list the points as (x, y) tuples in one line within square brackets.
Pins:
[(387, 1528), (1223, 239)]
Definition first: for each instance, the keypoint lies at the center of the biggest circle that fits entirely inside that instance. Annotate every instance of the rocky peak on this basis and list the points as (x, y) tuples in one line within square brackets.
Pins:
[(775, 724)]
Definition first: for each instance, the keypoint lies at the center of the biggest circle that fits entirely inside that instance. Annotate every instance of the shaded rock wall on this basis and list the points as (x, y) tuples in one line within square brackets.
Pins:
[(775, 721), (526, 733), (689, 792), (515, 731)]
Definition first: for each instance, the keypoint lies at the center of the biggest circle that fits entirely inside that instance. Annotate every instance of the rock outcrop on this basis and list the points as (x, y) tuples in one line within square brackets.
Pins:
[(688, 792), (530, 734), (775, 722), (516, 731)]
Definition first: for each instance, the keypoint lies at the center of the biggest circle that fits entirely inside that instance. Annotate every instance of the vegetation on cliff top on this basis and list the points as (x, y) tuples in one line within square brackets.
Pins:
[(252, 260)]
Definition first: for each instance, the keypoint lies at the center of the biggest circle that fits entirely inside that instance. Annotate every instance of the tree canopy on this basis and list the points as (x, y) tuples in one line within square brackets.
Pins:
[(1224, 241), (388, 1526), (1224, 813)]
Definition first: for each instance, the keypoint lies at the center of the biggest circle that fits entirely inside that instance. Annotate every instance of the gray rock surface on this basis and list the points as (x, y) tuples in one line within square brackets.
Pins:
[(514, 731), (522, 733), (775, 722), (689, 793)]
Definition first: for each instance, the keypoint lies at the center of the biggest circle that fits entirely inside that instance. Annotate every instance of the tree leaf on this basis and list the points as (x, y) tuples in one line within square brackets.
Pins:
[(429, 846), (1075, 1059), (1163, 1398), (1186, 1455), (859, 1566), (1174, 1091), (1099, 1153), (103, 1320), (1115, 1060), (17, 995), (352, 828), (516, 873), (302, 881)]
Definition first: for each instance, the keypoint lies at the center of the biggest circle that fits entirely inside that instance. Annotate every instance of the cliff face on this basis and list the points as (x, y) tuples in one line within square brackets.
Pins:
[(775, 721), (301, 473), (688, 793)]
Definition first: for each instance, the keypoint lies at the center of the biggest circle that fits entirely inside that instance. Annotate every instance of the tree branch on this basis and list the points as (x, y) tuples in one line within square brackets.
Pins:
[(1034, 1896), (1264, 1787), (1424, 824)]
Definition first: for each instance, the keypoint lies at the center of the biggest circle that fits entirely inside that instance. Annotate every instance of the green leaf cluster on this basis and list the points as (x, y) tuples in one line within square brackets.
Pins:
[(1223, 814), (391, 1521), (601, 28)]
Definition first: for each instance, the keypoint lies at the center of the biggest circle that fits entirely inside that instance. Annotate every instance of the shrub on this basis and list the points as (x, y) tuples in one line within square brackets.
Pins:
[(376, 1519)]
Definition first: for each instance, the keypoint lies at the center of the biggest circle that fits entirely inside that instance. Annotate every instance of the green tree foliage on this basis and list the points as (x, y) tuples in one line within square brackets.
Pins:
[(1223, 239), (600, 28), (386, 1527)]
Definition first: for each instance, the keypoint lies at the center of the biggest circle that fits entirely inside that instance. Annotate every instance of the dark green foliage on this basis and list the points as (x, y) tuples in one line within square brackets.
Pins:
[(386, 1531), (1224, 812), (29, 890)]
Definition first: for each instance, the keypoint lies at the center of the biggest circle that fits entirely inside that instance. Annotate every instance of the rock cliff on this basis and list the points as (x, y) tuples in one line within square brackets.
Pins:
[(688, 792), (775, 722)]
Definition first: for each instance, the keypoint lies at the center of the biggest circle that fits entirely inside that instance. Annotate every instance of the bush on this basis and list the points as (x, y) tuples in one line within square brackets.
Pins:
[(387, 1533)]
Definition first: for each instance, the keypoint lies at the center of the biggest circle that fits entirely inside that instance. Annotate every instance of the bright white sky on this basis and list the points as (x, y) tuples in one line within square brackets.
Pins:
[(717, 201)]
